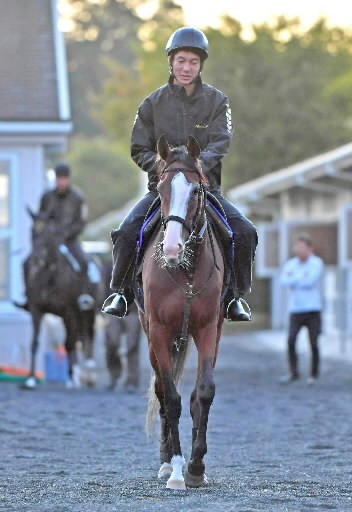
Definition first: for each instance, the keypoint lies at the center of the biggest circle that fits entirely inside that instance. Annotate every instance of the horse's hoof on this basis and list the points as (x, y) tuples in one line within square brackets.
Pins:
[(90, 364), (76, 376), (88, 374), (177, 485), (165, 470), (195, 480), (69, 384), (29, 383), (74, 381)]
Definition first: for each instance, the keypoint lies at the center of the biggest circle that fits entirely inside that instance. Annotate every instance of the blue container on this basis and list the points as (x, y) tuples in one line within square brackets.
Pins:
[(56, 367)]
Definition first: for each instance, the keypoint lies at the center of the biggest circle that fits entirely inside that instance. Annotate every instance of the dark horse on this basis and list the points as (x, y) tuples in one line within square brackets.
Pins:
[(182, 279), (55, 285)]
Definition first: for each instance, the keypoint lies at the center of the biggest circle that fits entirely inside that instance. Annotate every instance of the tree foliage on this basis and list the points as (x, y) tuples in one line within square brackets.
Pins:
[(108, 177), (278, 91), (127, 86), (102, 30), (289, 89)]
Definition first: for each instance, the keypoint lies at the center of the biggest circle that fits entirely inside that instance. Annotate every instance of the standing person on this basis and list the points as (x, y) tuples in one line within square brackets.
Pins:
[(182, 107), (66, 206), (303, 274)]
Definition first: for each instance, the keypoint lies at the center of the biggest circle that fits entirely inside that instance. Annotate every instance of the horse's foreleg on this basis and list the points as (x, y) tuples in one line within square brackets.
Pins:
[(194, 411), (30, 382), (173, 412), (201, 401), (89, 373), (87, 328), (170, 408), (165, 439), (35, 343), (70, 346)]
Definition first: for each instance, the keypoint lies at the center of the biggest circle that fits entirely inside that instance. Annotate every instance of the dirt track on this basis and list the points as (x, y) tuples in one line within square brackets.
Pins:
[(270, 447)]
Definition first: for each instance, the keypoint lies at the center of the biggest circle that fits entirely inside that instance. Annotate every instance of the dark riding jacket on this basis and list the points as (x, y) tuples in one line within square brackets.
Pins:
[(168, 111), (68, 211)]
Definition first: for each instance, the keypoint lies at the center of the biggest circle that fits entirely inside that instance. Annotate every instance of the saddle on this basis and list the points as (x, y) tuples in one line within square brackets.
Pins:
[(221, 228), (216, 217)]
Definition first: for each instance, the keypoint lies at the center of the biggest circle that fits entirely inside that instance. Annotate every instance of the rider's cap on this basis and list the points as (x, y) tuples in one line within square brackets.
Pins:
[(188, 38), (62, 169)]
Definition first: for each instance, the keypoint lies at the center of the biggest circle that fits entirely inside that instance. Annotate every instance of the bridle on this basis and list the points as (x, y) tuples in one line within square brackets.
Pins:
[(196, 234)]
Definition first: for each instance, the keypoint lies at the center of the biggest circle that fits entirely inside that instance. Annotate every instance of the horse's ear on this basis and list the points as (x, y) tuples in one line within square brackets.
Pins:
[(193, 147), (163, 147), (31, 212)]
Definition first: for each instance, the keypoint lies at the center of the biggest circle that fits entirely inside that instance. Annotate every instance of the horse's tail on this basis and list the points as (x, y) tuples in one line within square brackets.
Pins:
[(180, 352), (153, 407)]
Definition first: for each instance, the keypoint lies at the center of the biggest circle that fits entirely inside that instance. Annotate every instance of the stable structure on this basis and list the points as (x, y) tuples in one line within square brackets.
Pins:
[(34, 123), (313, 196)]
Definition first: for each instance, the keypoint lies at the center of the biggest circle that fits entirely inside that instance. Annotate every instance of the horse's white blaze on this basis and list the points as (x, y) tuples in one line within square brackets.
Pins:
[(180, 192), (176, 480)]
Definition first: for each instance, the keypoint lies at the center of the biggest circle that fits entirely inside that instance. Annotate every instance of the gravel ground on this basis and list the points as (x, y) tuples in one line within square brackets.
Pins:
[(270, 447)]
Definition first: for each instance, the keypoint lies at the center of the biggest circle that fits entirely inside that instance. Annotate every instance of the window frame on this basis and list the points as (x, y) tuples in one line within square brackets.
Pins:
[(345, 237), (11, 232)]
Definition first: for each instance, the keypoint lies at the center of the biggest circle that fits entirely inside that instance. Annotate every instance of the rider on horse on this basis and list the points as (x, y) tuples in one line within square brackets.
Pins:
[(182, 107), (66, 207)]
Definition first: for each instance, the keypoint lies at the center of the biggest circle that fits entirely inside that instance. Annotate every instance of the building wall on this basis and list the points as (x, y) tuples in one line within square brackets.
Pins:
[(27, 179), (28, 85), (331, 232), (299, 203)]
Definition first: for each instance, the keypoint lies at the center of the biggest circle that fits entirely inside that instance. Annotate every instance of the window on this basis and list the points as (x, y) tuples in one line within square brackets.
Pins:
[(8, 237), (4, 194), (5, 220), (268, 252), (345, 236)]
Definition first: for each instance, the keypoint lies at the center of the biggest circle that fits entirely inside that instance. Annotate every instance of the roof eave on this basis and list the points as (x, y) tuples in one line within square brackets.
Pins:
[(324, 164)]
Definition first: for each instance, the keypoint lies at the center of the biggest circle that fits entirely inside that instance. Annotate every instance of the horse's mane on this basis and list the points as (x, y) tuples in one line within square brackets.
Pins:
[(180, 155)]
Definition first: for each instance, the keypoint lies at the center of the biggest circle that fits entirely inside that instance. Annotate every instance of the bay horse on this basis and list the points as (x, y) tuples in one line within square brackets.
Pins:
[(55, 285), (182, 279)]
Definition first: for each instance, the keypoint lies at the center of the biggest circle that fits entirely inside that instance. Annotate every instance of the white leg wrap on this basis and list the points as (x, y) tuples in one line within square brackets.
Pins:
[(30, 383), (176, 480), (165, 470)]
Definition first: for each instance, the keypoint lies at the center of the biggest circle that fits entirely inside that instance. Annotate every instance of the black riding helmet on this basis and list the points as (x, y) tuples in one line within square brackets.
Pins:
[(62, 170), (188, 38)]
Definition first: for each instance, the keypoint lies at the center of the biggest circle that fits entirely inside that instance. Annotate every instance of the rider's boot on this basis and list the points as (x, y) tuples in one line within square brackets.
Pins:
[(236, 308), (22, 305), (122, 276)]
